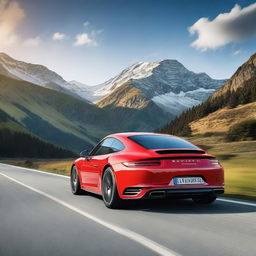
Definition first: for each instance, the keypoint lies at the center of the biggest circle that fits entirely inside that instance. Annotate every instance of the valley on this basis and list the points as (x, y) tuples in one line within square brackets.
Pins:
[(143, 97)]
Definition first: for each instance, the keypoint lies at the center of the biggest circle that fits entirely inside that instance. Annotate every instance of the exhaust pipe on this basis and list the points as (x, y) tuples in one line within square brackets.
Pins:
[(157, 194)]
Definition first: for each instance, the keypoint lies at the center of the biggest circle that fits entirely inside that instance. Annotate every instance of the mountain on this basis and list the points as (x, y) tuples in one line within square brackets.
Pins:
[(231, 104), (83, 90), (126, 96), (65, 120), (136, 71), (140, 98), (36, 74), (167, 83)]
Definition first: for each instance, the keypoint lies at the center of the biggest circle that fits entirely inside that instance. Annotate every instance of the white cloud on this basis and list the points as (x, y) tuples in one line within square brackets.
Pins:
[(236, 52), (235, 26), (85, 39), (11, 14), (58, 36), (87, 23), (96, 32), (33, 41)]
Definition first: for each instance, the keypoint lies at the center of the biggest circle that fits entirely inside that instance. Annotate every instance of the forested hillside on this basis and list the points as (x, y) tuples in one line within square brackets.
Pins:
[(235, 92), (18, 144)]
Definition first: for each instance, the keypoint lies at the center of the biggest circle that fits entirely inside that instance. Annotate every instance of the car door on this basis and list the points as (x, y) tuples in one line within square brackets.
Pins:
[(93, 163)]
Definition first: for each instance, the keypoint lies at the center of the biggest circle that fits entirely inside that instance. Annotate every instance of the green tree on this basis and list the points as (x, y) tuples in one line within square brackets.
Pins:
[(242, 131)]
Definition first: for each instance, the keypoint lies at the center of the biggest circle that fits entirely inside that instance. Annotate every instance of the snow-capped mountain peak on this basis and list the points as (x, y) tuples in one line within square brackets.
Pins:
[(167, 83), (136, 71)]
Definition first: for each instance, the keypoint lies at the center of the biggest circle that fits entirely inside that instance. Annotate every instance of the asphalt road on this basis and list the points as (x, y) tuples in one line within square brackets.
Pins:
[(40, 216)]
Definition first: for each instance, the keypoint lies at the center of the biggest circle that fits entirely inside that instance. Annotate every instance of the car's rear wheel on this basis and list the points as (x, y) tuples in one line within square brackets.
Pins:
[(109, 190), (208, 199), (75, 182)]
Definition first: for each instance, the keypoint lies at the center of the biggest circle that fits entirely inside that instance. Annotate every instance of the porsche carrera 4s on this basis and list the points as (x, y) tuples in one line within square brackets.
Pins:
[(147, 166)]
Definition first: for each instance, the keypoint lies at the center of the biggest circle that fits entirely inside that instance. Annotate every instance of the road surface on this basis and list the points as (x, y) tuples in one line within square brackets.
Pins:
[(40, 216)]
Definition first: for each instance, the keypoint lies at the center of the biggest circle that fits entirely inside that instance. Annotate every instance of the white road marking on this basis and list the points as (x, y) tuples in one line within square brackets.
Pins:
[(146, 242), (35, 170), (236, 202), (67, 177)]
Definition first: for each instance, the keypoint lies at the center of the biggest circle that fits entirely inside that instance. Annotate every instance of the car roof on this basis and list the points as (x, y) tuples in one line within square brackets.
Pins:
[(128, 134)]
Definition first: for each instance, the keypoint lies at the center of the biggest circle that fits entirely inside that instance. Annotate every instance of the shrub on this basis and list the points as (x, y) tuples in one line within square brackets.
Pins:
[(225, 156), (205, 147), (245, 130), (28, 163)]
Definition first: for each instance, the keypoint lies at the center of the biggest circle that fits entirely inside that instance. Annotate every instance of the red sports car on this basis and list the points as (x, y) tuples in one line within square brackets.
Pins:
[(147, 165)]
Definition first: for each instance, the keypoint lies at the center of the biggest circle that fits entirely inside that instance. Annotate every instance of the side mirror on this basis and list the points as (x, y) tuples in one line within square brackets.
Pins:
[(84, 153)]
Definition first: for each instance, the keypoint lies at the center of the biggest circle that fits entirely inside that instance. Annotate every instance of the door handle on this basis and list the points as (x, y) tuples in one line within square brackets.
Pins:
[(95, 165)]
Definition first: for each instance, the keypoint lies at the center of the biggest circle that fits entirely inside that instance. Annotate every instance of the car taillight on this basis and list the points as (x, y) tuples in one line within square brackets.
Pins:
[(142, 164), (214, 161)]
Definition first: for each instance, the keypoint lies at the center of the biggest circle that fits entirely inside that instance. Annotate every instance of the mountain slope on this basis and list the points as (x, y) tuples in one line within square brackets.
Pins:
[(125, 96), (67, 121), (84, 91), (16, 141), (131, 99), (136, 71), (167, 83), (244, 73), (34, 73), (53, 116), (221, 120), (232, 103)]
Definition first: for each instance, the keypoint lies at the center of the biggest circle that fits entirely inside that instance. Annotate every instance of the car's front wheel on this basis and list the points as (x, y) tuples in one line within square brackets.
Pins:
[(109, 190), (75, 182), (204, 199)]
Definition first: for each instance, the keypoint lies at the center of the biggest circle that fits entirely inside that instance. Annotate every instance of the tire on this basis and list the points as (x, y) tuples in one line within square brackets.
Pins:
[(75, 182), (204, 199), (109, 190)]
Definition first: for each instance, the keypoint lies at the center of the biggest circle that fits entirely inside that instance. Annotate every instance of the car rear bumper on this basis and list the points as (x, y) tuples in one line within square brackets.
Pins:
[(136, 184), (182, 192), (174, 192)]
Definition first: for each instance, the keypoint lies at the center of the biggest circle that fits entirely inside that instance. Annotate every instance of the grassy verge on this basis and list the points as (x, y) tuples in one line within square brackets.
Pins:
[(55, 166), (240, 175), (239, 162)]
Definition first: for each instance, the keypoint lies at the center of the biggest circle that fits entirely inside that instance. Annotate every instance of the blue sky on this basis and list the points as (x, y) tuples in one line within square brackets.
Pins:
[(96, 39)]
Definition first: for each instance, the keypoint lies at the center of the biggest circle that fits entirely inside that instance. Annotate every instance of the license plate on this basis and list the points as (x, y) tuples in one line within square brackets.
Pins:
[(188, 180)]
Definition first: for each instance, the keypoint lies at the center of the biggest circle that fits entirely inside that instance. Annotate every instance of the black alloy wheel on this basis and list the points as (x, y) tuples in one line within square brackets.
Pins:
[(109, 190), (74, 182)]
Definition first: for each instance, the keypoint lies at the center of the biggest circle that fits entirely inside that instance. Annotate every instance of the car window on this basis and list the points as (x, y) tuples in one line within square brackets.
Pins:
[(117, 145), (104, 147), (95, 149), (109, 145), (161, 142)]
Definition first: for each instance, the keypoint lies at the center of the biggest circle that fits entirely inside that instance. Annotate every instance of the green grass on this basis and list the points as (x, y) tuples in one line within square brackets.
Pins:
[(239, 162), (240, 175), (55, 166)]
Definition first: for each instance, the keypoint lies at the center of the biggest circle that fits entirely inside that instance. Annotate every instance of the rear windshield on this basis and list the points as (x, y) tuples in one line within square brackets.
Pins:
[(161, 142)]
